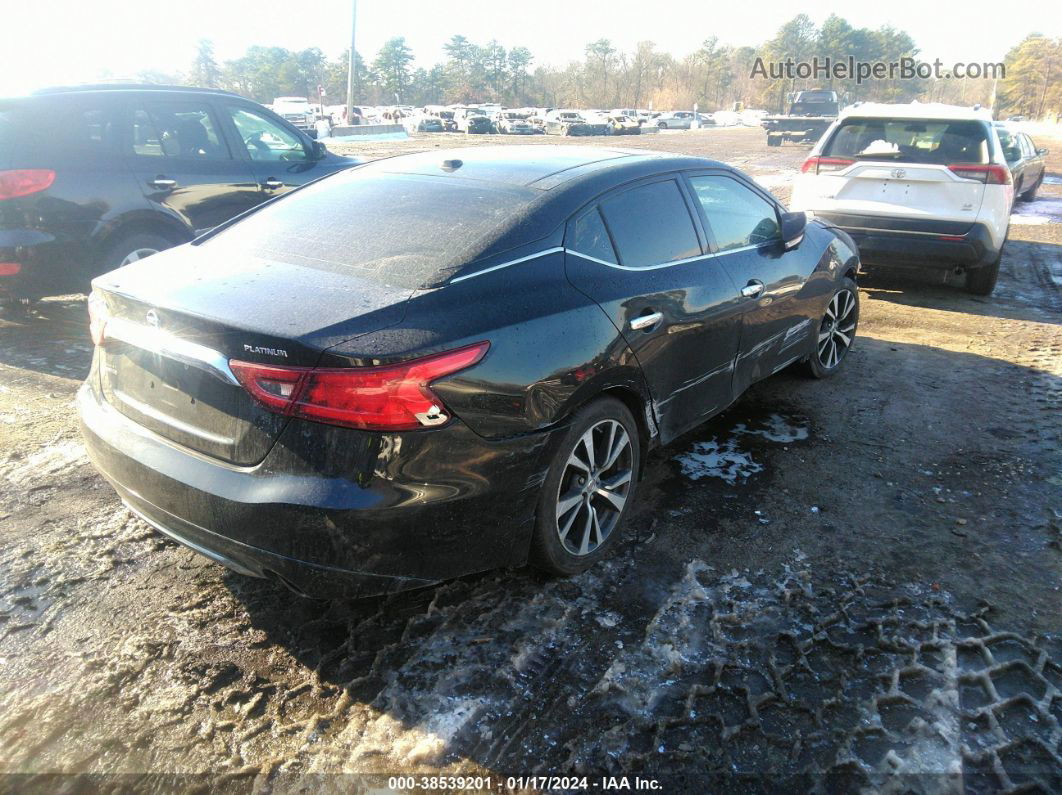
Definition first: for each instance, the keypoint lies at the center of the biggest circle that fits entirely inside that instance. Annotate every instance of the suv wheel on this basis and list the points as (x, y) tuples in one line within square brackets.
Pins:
[(982, 281), (588, 490), (137, 246)]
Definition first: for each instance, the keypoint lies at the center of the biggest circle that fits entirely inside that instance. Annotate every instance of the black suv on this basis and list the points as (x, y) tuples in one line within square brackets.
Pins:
[(95, 177)]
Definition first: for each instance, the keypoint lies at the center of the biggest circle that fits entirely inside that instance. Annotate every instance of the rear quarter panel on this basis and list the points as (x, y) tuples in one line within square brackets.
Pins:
[(552, 349)]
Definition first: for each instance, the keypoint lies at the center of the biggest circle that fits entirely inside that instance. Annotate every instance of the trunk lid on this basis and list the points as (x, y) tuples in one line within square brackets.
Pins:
[(177, 318)]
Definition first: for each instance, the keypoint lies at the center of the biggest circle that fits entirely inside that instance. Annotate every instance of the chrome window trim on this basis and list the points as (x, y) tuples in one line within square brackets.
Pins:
[(556, 249), (517, 261), (709, 255), (163, 343)]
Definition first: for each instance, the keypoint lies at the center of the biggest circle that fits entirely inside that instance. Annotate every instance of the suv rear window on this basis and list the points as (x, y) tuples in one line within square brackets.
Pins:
[(911, 141), (30, 128)]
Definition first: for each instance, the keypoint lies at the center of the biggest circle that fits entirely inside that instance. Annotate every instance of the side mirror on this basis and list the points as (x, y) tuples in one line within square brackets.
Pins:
[(1042, 151), (792, 226), (319, 150)]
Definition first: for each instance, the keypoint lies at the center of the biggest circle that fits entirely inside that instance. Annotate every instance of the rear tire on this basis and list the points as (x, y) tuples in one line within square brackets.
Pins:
[(136, 246), (589, 489), (1030, 194), (836, 332), (982, 281)]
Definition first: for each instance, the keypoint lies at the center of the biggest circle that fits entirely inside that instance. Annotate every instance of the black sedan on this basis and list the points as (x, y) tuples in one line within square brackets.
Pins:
[(1026, 161), (441, 363)]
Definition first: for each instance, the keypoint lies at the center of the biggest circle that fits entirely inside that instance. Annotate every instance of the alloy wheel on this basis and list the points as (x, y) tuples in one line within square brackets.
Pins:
[(594, 487), (138, 254), (837, 329)]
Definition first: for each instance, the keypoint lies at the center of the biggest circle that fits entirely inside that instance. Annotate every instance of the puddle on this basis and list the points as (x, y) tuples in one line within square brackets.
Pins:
[(1045, 210), (727, 460)]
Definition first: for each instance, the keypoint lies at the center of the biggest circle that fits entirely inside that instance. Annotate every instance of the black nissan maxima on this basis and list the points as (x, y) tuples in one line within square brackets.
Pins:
[(440, 363)]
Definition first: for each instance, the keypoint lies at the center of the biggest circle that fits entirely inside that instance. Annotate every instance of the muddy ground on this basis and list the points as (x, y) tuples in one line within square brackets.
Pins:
[(833, 585)]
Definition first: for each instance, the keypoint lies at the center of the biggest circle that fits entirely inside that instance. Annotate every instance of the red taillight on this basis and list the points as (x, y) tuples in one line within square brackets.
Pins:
[(990, 174), (97, 312), (390, 398), (24, 181), (823, 165), (10, 268)]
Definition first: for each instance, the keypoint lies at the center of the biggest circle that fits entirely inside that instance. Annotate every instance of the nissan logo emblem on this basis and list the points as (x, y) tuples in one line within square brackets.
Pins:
[(152, 318), (899, 173)]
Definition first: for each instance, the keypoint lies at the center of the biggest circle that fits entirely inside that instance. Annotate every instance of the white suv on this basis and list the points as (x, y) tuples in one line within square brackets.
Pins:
[(916, 186)]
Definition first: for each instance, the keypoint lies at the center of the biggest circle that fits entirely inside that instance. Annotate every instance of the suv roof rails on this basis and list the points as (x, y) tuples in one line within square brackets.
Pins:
[(128, 87)]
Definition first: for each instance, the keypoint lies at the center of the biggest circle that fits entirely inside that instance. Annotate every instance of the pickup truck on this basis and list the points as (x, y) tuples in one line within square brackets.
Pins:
[(297, 111), (810, 113)]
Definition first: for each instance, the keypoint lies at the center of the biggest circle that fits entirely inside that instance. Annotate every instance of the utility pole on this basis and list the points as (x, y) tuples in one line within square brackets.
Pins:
[(352, 64)]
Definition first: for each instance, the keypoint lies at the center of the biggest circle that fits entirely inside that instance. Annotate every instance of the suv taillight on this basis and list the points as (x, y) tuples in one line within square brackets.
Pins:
[(990, 175), (823, 165), (25, 181), (394, 397)]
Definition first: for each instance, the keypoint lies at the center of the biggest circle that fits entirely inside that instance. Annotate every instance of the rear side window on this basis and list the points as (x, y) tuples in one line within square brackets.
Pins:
[(736, 215), (1010, 144), (62, 128), (651, 225), (589, 236), (911, 141), (177, 130)]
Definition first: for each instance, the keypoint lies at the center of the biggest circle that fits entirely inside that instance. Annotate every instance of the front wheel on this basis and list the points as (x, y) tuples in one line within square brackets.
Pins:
[(836, 331), (588, 490)]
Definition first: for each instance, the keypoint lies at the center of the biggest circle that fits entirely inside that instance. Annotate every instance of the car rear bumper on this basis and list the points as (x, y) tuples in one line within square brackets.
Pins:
[(916, 243), (344, 515), (47, 265)]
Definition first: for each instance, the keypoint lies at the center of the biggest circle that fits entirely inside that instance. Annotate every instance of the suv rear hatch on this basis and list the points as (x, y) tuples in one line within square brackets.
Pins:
[(935, 170)]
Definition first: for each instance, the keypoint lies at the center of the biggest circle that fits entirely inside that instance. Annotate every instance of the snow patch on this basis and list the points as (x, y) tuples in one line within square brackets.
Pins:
[(769, 181), (727, 461), (714, 460), (46, 462)]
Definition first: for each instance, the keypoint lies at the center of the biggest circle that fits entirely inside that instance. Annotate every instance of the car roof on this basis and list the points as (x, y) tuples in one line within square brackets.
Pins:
[(541, 167), (916, 110), (117, 89)]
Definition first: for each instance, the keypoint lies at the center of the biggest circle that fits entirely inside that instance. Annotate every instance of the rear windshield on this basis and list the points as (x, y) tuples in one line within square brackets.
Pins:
[(404, 230), (911, 141)]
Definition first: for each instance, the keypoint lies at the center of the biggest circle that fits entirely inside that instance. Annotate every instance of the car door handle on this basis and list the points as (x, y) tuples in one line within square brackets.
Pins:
[(646, 322), (272, 184), (163, 183), (752, 289)]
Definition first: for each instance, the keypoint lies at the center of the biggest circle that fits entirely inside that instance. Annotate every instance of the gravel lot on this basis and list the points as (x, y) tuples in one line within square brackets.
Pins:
[(832, 585)]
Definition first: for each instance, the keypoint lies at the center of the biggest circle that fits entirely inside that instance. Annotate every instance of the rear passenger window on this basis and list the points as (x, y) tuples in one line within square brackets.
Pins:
[(177, 130), (737, 216), (589, 236), (650, 225)]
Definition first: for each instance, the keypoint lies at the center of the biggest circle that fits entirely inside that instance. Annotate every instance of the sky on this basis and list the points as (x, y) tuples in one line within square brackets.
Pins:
[(52, 42)]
